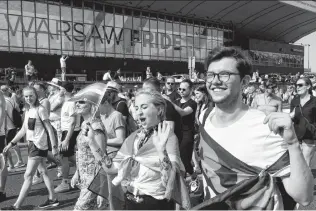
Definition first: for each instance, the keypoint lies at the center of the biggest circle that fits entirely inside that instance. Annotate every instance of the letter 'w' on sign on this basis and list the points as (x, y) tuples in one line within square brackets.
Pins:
[(92, 93)]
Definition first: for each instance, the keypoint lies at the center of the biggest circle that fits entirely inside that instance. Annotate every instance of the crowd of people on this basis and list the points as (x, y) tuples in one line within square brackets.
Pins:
[(145, 149)]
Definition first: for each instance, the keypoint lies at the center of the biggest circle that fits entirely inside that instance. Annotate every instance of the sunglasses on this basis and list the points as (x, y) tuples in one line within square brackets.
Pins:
[(170, 83), (300, 85), (81, 102), (179, 89)]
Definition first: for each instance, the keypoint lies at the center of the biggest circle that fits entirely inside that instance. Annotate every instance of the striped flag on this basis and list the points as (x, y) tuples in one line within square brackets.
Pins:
[(92, 93)]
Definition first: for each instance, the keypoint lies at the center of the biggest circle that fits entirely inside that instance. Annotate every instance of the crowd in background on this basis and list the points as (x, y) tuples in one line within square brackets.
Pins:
[(142, 148)]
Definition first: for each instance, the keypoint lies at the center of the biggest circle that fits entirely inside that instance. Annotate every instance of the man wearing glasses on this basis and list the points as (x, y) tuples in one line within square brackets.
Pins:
[(246, 155), (186, 107), (171, 92), (268, 102)]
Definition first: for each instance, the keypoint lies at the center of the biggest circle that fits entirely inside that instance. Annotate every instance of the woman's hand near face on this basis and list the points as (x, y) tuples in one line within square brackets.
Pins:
[(160, 137)]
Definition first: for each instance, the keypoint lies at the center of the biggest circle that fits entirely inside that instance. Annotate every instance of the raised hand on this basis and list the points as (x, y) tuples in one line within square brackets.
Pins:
[(281, 123), (160, 137)]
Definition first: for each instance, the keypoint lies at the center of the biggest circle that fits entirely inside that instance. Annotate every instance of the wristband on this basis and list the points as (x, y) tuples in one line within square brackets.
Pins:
[(13, 144), (55, 147)]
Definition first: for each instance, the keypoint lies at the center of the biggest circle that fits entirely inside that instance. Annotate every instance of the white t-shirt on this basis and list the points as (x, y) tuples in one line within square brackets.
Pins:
[(69, 110), (107, 76), (10, 104), (62, 62), (38, 135), (248, 139)]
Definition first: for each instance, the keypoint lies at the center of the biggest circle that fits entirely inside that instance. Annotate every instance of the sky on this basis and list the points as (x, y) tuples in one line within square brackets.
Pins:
[(311, 40)]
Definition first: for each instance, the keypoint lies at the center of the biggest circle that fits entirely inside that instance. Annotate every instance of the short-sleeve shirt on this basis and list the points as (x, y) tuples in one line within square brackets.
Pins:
[(67, 111), (173, 115), (38, 136), (111, 123), (10, 104), (188, 120), (174, 96), (121, 106)]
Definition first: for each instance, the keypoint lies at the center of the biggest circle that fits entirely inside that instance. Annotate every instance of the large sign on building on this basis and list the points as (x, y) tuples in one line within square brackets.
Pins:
[(61, 29)]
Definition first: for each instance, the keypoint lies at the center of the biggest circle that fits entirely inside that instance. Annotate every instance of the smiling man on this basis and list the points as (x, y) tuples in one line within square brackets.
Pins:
[(245, 154)]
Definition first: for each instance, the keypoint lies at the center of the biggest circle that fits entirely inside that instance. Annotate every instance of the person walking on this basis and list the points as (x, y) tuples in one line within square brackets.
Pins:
[(35, 125)]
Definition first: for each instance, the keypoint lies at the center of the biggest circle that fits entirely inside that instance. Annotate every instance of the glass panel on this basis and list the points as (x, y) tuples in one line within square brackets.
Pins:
[(162, 52), (176, 52), (14, 7), (183, 29), (41, 10), (184, 53), (88, 14), (169, 52), (77, 15), (4, 24), (190, 30), (154, 50), (16, 40), (53, 12), (55, 41), (196, 31), (209, 44), (16, 49), (109, 20), (42, 40), (66, 13), (162, 26), (202, 42), (168, 27), (119, 21), (66, 43), (214, 34), (4, 38), (28, 8), (99, 45), (3, 6), (176, 28)]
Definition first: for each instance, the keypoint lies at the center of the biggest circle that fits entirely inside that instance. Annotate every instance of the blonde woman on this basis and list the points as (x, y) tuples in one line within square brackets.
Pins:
[(35, 127), (87, 165), (148, 164)]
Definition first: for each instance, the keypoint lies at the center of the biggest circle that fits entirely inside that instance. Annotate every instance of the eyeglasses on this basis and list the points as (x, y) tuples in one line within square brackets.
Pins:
[(179, 89), (170, 83), (300, 85), (223, 76), (81, 102)]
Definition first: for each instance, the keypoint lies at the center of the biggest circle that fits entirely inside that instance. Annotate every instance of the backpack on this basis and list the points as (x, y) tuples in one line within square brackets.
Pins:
[(16, 117), (131, 124)]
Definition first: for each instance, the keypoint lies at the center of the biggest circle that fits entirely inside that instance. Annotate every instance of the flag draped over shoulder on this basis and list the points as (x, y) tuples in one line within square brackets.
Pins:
[(147, 156), (236, 184), (92, 93)]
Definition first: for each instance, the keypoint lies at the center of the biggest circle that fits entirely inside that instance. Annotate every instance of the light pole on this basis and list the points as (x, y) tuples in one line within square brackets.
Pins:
[(308, 45)]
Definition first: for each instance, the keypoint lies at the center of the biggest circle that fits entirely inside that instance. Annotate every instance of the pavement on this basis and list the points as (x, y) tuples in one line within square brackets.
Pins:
[(38, 193)]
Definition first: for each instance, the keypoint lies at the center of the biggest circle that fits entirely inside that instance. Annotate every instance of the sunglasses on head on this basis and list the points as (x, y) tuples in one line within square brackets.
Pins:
[(169, 83), (180, 89), (81, 102)]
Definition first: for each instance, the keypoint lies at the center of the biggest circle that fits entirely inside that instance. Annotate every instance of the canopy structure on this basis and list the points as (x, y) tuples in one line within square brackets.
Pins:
[(280, 21)]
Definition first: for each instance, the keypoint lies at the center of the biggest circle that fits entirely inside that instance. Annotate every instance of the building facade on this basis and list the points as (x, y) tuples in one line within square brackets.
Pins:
[(95, 29)]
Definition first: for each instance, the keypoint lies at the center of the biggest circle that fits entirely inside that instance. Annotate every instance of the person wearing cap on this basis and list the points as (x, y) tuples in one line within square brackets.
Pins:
[(268, 102), (70, 126), (9, 126), (118, 103)]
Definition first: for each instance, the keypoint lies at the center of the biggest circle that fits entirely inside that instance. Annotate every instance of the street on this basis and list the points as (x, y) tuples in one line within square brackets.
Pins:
[(38, 193)]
